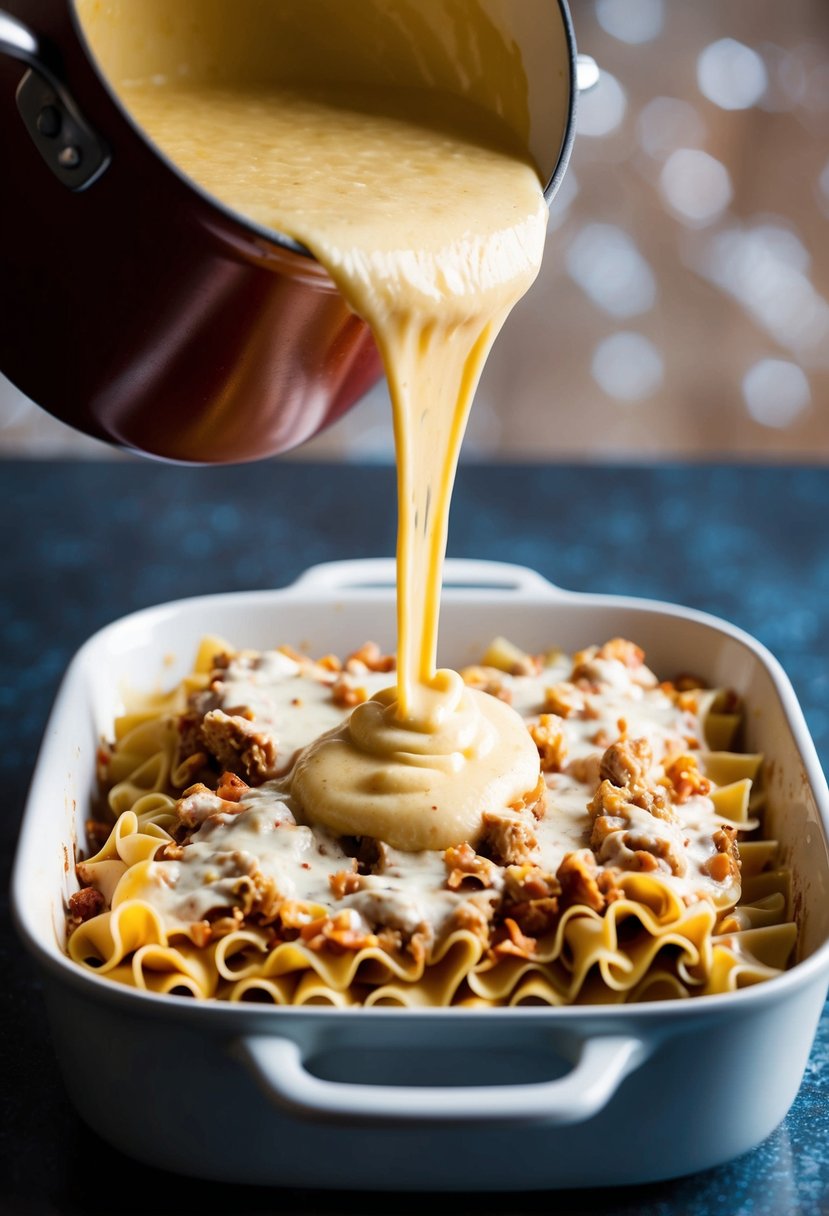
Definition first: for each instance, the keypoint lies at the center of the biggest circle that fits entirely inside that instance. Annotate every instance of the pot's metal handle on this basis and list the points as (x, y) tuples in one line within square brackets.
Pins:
[(74, 152), (602, 1065), (376, 572)]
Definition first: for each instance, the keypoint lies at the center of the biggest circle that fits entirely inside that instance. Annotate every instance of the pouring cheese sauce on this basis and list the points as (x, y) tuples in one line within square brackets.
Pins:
[(429, 216)]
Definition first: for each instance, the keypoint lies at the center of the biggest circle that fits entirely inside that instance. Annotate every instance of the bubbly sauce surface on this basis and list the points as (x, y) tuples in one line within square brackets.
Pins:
[(429, 216)]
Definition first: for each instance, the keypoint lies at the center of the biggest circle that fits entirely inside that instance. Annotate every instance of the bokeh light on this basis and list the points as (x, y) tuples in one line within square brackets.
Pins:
[(667, 123), (823, 190), (633, 21), (793, 76), (765, 268), (628, 366), (696, 186), (602, 108), (611, 271), (776, 392), (731, 74)]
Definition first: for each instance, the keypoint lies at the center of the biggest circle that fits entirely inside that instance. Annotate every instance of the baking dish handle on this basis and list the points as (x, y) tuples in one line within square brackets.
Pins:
[(602, 1064), (373, 572)]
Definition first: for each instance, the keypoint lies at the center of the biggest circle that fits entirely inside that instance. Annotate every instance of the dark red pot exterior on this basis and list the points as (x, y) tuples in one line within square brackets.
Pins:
[(139, 313)]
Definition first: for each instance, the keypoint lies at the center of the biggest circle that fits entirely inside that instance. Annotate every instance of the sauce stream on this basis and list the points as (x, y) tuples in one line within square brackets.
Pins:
[(428, 214)]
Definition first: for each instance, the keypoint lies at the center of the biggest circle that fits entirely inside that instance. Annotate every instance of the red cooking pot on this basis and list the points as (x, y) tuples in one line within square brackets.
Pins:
[(137, 308)]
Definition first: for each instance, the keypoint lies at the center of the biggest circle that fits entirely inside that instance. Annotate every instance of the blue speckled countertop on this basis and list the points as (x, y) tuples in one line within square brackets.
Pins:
[(85, 543)]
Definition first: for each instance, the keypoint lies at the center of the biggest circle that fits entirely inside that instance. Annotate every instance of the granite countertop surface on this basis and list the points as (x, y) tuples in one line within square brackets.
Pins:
[(87, 542)]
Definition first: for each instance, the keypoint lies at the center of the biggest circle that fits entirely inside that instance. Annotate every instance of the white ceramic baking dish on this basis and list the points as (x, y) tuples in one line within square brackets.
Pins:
[(432, 1099)]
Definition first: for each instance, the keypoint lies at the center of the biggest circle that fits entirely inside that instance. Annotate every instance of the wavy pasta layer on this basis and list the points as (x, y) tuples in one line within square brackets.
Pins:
[(635, 871)]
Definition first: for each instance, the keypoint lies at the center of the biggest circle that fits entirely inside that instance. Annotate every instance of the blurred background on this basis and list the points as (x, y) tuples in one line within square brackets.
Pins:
[(683, 307)]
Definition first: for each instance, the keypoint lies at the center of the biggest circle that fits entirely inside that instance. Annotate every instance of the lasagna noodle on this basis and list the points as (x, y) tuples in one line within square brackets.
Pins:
[(141, 762), (648, 944)]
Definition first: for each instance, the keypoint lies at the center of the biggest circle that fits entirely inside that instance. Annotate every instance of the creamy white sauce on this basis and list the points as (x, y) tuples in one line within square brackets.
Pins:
[(408, 890), (411, 892), (263, 838), (292, 703)]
